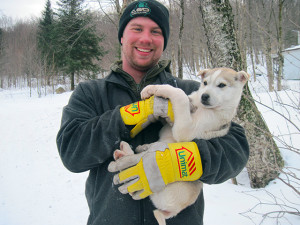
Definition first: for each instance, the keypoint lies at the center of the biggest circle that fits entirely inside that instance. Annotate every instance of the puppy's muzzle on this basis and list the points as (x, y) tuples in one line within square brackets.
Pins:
[(205, 99)]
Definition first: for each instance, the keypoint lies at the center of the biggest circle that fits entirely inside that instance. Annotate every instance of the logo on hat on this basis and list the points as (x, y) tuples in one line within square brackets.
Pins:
[(141, 9)]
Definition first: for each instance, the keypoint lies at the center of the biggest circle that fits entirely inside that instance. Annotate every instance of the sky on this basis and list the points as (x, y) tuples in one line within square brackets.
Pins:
[(25, 9), (22, 9)]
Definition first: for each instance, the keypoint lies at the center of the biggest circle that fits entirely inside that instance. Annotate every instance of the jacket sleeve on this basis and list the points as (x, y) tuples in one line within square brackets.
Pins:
[(88, 137), (224, 157)]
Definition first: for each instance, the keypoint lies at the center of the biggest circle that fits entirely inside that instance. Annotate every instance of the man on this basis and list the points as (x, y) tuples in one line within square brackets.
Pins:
[(94, 123)]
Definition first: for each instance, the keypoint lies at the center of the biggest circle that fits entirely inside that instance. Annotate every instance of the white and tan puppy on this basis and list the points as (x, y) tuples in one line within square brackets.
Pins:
[(204, 114)]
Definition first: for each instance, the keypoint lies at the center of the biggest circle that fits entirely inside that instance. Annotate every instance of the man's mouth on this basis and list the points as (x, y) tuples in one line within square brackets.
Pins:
[(144, 50)]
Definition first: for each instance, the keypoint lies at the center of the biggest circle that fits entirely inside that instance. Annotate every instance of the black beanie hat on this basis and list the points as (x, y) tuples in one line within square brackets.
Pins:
[(147, 8)]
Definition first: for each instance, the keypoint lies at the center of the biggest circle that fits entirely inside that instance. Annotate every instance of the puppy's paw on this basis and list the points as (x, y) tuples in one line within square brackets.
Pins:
[(118, 154), (125, 147), (142, 148), (148, 91), (124, 150)]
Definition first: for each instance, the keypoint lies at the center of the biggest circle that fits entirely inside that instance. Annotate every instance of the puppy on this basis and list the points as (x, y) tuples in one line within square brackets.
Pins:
[(205, 114)]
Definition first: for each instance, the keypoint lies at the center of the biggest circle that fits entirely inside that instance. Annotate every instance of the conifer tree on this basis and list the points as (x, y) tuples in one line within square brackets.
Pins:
[(78, 46), (45, 38)]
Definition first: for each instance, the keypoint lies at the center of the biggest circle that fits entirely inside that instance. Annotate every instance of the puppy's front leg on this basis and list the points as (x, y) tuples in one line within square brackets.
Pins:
[(183, 124), (179, 100), (161, 90), (183, 127)]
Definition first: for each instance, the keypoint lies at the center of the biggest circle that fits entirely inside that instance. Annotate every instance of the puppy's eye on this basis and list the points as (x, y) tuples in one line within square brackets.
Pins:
[(205, 83), (221, 85)]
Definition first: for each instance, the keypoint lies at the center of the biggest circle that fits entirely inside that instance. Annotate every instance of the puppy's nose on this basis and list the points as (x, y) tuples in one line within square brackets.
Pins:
[(204, 97)]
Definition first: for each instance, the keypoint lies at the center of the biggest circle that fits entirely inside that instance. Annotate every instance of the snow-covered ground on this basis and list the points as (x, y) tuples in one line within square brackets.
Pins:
[(36, 189)]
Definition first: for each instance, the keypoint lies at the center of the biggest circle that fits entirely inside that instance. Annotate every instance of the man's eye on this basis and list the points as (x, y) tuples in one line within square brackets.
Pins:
[(221, 85), (156, 32)]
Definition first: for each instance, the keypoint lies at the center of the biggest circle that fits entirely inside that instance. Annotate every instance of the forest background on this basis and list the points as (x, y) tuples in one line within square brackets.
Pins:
[(257, 30)]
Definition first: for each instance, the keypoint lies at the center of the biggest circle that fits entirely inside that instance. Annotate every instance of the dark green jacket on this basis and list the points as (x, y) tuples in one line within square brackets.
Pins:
[(92, 128)]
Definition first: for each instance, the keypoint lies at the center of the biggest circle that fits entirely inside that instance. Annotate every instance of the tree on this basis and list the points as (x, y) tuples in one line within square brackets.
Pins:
[(265, 160), (1, 55), (280, 45), (265, 31), (180, 56), (114, 18), (76, 43), (45, 40)]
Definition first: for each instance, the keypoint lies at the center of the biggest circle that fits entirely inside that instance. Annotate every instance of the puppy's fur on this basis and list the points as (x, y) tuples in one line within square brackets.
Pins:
[(204, 114)]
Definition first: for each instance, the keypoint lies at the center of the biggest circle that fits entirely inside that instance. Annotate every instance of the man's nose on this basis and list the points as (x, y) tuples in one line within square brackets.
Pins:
[(146, 37)]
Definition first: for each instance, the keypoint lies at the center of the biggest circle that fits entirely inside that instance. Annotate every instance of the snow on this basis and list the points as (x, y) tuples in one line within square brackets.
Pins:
[(292, 48), (35, 187)]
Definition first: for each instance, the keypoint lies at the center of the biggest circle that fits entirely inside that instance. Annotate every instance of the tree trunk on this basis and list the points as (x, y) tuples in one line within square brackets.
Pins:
[(265, 161), (172, 42), (180, 57), (280, 44), (251, 46), (266, 45), (220, 32), (269, 62), (72, 81)]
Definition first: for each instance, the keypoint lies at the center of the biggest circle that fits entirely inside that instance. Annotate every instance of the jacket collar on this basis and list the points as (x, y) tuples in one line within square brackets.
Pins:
[(127, 80), (162, 65)]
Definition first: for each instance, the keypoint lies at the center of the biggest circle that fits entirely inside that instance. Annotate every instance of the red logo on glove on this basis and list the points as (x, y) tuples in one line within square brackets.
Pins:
[(133, 108), (186, 162)]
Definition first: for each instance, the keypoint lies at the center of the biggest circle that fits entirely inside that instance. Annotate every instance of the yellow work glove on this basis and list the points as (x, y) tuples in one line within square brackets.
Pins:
[(144, 112), (152, 170)]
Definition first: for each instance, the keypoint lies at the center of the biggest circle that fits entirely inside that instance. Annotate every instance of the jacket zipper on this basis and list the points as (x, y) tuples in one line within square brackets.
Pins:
[(142, 217)]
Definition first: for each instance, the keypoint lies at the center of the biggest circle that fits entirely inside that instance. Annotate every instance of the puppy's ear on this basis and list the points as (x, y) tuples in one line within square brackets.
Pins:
[(203, 73), (243, 76)]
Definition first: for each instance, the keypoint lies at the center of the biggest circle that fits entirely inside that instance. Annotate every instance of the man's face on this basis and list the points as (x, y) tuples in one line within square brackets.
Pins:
[(142, 44)]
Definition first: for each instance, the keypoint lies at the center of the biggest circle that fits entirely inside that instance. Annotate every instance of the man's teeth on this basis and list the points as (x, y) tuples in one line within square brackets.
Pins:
[(143, 50)]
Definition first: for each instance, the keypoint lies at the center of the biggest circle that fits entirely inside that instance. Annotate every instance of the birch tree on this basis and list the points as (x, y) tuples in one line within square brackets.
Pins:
[(265, 160)]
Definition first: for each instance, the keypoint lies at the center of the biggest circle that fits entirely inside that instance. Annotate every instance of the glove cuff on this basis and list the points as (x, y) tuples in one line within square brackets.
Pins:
[(163, 108), (137, 114), (186, 161), (165, 165)]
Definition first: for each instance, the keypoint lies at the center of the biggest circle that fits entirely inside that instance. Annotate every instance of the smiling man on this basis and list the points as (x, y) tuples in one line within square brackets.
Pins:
[(143, 43), (101, 113), (143, 34)]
